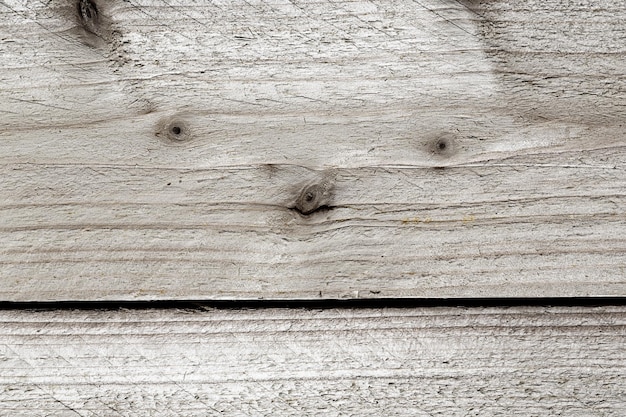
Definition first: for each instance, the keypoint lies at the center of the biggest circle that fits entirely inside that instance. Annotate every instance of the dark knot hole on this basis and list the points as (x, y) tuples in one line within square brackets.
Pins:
[(87, 9)]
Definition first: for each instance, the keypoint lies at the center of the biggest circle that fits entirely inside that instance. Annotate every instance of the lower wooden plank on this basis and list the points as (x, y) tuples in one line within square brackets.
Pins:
[(413, 362)]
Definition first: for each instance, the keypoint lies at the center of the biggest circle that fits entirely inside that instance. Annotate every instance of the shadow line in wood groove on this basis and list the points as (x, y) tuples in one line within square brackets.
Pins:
[(321, 304)]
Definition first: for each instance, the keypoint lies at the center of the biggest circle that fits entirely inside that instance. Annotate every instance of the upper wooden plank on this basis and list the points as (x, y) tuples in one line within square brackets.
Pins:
[(295, 149)]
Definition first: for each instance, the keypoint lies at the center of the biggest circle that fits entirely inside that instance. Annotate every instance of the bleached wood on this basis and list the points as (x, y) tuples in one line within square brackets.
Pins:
[(399, 362), (98, 202)]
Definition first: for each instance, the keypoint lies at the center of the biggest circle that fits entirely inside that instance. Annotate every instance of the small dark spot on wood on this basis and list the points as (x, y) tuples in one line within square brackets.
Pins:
[(441, 145), (176, 130)]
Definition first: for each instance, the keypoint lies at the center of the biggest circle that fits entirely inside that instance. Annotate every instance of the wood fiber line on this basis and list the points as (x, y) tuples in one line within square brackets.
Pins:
[(311, 150), (402, 362)]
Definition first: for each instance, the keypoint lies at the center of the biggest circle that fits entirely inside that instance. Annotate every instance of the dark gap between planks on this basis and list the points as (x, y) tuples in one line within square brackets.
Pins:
[(315, 304)]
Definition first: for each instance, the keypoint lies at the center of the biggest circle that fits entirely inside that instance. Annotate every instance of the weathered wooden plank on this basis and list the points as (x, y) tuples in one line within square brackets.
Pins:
[(404, 362), (162, 149)]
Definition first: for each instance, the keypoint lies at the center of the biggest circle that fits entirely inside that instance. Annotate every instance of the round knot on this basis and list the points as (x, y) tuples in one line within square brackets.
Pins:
[(443, 145), (175, 129), (313, 197)]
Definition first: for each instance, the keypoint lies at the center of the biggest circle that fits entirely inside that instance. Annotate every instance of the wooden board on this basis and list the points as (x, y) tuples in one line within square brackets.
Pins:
[(401, 362), (332, 149)]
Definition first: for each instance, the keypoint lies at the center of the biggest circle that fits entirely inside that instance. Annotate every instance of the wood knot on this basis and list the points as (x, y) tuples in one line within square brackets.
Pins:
[(89, 15), (175, 129), (313, 197), (443, 145)]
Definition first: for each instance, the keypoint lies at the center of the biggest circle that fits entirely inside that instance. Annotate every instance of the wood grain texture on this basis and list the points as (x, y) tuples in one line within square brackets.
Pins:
[(154, 149), (406, 362)]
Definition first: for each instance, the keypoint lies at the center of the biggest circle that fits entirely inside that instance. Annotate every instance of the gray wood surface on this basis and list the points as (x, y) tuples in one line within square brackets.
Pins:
[(330, 149), (392, 362)]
